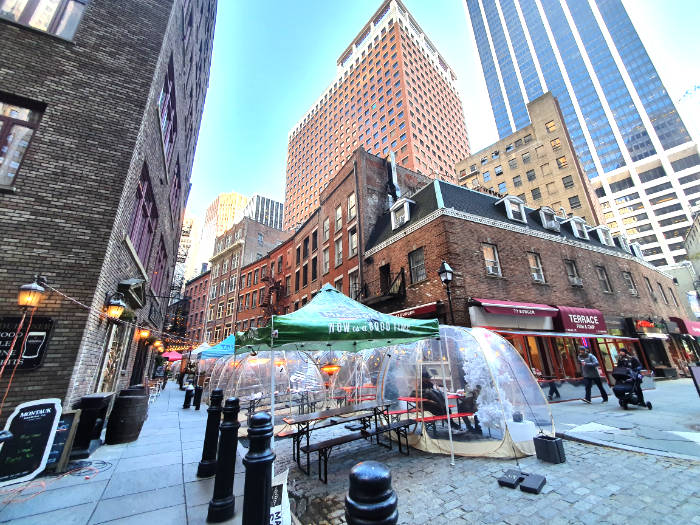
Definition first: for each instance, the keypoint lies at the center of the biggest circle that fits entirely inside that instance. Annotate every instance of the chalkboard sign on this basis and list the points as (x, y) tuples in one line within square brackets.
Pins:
[(63, 441), (33, 425)]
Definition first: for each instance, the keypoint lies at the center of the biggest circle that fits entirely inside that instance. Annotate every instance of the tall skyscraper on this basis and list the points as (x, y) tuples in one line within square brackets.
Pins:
[(264, 210), (393, 91), (625, 129), (219, 217)]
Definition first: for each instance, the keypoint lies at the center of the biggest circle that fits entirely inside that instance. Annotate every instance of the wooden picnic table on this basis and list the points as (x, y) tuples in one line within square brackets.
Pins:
[(364, 412)]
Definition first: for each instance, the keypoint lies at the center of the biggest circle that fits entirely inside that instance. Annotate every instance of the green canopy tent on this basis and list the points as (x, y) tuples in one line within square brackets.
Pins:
[(332, 321)]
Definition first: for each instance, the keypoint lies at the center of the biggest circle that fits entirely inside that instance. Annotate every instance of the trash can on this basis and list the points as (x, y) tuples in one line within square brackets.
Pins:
[(93, 414)]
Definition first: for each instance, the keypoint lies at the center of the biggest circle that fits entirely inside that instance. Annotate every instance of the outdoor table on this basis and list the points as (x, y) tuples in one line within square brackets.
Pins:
[(303, 422)]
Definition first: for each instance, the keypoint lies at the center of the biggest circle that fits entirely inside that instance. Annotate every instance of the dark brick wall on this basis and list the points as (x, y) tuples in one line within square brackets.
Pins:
[(74, 194)]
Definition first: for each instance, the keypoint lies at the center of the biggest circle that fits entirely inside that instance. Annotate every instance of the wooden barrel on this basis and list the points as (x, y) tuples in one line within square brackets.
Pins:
[(127, 417)]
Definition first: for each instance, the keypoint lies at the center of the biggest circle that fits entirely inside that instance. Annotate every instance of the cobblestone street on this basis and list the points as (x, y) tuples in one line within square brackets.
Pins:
[(596, 485)]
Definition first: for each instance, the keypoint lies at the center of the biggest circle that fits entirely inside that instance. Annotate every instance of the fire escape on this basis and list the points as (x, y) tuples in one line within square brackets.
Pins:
[(269, 306)]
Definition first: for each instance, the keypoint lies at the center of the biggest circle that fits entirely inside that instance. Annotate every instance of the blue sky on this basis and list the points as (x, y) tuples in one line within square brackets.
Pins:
[(273, 58)]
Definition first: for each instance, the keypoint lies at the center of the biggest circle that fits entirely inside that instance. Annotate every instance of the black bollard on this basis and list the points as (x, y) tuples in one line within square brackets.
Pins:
[(257, 493), (207, 467), (197, 397), (188, 398), (371, 500), (222, 504)]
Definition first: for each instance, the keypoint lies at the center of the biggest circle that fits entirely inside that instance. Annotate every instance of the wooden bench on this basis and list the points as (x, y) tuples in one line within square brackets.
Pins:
[(431, 420), (401, 429)]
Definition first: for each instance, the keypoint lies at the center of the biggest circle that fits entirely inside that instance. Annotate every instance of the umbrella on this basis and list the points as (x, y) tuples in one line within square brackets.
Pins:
[(172, 356)]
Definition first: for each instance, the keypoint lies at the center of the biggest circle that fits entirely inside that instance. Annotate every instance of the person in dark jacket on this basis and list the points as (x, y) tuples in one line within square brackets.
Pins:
[(589, 366), (627, 360)]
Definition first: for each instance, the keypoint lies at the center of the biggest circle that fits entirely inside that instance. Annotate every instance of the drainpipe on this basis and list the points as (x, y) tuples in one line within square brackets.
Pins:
[(360, 244)]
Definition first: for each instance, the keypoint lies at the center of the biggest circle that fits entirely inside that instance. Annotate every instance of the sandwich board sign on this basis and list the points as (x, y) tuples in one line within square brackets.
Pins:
[(33, 427)]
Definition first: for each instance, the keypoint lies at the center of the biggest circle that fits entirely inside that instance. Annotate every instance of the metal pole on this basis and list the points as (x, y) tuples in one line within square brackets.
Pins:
[(449, 300), (222, 504), (257, 493), (207, 466), (370, 499)]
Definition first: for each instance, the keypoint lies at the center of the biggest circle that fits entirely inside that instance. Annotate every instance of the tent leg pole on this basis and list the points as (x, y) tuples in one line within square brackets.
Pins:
[(447, 408)]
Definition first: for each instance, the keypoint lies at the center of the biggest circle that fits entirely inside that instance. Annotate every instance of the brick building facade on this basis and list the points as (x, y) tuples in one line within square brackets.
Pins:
[(96, 195)]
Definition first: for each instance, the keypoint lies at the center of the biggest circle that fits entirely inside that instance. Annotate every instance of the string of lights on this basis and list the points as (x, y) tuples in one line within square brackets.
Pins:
[(99, 315)]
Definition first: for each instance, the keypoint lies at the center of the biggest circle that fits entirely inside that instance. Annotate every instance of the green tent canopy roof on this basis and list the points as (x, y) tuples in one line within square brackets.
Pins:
[(333, 320)]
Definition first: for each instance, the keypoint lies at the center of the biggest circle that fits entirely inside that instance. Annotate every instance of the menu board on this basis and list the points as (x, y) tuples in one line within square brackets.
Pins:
[(33, 426), (63, 441), (31, 354)]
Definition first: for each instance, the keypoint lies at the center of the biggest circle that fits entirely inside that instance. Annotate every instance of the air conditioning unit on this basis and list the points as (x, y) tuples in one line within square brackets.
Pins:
[(492, 270), (576, 281), (538, 277)]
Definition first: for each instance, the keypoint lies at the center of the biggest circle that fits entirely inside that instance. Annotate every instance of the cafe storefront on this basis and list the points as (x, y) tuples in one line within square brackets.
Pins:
[(688, 339), (653, 336), (548, 337)]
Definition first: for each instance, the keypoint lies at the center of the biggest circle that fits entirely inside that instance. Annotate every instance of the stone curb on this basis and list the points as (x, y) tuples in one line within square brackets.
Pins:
[(628, 448)]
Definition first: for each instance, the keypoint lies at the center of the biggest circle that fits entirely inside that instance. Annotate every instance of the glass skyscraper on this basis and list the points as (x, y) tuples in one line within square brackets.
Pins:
[(626, 131)]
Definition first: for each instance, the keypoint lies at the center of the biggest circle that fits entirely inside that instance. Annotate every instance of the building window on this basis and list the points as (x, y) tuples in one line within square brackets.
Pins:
[(305, 249), (555, 143), (339, 251), (526, 157), (339, 284), (175, 192), (354, 283), (568, 182), (498, 170), (578, 228), (493, 266), (254, 299), (219, 310), (338, 218), (58, 17), (572, 273), (287, 285), (416, 263), (314, 240), (536, 270), (551, 126), (603, 278), (530, 175), (487, 176), (222, 287), (574, 202), (513, 163), (549, 219), (502, 187), (260, 239), (517, 181), (17, 125), (255, 276), (229, 307), (562, 162), (649, 288), (248, 278), (352, 206), (296, 281), (232, 284), (326, 229), (145, 218), (663, 293), (352, 242), (158, 278), (305, 275), (631, 287), (536, 193), (326, 261), (314, 269), (673, 296), (167, 112)]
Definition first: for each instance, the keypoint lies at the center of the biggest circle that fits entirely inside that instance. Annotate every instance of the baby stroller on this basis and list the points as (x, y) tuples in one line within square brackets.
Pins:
[(628, 387)]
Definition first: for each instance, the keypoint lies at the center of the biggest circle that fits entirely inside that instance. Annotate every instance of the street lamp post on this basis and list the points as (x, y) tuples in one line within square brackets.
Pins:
[(445, 273)]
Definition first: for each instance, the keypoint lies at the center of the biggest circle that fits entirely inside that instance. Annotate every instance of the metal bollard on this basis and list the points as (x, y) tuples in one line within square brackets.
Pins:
[(189, 393), (257, 493), (198, 390), (207, 467), (371, 500), (222, 504)]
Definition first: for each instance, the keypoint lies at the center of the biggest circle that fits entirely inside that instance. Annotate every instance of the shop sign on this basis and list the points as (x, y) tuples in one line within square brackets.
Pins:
[(648, 326), (35, 341), (498, 307), (418, 310), (582, 320)]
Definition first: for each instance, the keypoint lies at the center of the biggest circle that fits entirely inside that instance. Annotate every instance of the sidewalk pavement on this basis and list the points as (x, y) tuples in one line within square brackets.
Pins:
[(671, 428), (150, 481)]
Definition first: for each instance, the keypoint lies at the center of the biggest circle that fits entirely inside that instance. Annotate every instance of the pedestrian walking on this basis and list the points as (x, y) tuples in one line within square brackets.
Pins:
[(589, 366)]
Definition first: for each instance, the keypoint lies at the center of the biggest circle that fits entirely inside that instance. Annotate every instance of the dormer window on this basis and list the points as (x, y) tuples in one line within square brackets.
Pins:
[(623, 243), (515, 208), (400, 213), (637, 250), (578, 227), (549, 219), (603, 235)]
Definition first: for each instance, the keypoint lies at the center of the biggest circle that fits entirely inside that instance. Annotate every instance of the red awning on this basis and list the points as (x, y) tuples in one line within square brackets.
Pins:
[(494, 306), (420, 309), (582, 320), (687, 327)]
